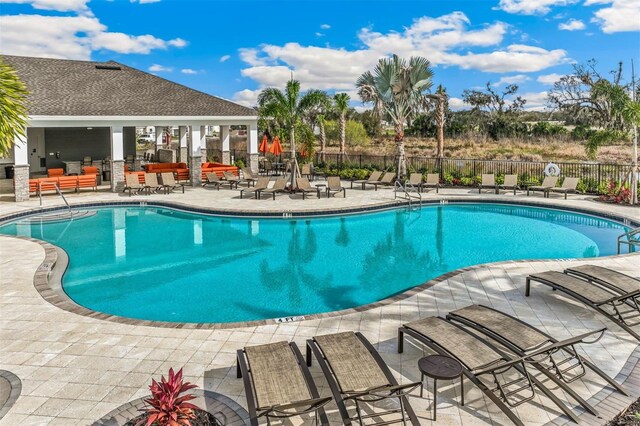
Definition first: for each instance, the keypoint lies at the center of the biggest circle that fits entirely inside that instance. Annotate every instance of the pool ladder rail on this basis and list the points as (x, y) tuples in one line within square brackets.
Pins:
[(630, 238), (408, 191), (55, 185)]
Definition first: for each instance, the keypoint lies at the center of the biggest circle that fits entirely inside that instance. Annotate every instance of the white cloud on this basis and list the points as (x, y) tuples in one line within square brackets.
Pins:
[(325, 26), (531, 7), (572, 25), (457, 104), (440, 39), (319, 34), (511, 79), (536, 101), (70, 37), (57, 5), (144, 1), (188, 71), (549, 79), (246, 97), (159, 68), (619, 16), (225, 58)]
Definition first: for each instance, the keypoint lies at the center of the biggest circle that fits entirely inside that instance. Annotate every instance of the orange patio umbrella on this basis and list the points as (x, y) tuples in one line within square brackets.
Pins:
[(264, 145), (276, 148)]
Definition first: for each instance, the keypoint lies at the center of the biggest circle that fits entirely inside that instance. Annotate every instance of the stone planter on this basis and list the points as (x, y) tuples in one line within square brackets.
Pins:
[(227, 411)]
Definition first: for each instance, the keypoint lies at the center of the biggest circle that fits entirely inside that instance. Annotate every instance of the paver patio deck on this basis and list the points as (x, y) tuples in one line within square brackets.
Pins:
[(74, 369)]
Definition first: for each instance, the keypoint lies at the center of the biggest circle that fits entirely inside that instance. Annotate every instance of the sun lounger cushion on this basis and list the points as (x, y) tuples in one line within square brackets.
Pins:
[(623, 282), (589, 291)]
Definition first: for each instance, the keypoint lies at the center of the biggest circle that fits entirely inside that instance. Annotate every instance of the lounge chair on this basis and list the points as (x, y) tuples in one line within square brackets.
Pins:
[(415, 181), (614, 280), (151, 181), (214, 180), (387, 180), (248, 176), (305, 187), (373, 177), (433, 181), (231, 178), (261, 184), (133, 184), (356, 372), (558, 360), (569, 184), (334, 185), (169, 182), (278, 384), (619, 307), (307, 171), (548, 183), (488, 181), (480, 358), (510, 182), (267, 167), (279, 186)]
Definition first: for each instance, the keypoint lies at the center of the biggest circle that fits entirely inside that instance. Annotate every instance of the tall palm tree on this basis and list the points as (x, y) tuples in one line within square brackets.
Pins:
[(13, 109), (322, 136), (397, 90), (341, 102), (440, 98), (288, 109), (317, 117)]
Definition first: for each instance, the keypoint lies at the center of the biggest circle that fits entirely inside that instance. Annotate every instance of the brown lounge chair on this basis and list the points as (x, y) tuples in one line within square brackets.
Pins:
[(307, 171), (481, 359), (261, 184), (510, 182), (415, 182), (614, 280), (133, 184), (278, 384), (548, 183), (152, 184), (387, 180), (558, 360), (488, 181), (374, 177), (621, 307), (169, 182), (433, 181), (305, 187), (569, 184), (279, 186), (356, 372), (231, 178), (248, 176), (334, 185), (213, 179)]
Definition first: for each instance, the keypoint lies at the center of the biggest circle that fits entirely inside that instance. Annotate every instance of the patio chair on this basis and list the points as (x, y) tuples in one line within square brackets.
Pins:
[(620, 307), (415, 181), (278, 383), (614, 280), (231, 178), (488, 181), (305, 187), (511, 384), (87, 160), (569, 184), (510, 182), (151, 181), (267, 167), (261, 184), (433, 181), (132, 184), (387, 180), (356, 372), (169, 182), (548, 183), (214, 180), (558, 360), (334, 186), (55, 172), (248, 176), (279, 187), (374, 177), (307, 171)]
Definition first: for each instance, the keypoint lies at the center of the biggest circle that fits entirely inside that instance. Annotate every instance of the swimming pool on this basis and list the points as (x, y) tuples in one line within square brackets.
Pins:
[(157, 263)]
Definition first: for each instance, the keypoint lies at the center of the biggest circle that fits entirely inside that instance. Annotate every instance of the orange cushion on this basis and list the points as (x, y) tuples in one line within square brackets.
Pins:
[(87, 181), (90, 170), (55, 172)]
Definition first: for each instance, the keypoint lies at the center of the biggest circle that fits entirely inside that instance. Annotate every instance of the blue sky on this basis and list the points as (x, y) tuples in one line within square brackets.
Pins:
[(233, 49)]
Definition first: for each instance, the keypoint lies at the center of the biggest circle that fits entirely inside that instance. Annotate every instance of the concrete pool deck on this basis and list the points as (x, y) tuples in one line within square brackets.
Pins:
[(75, 369)]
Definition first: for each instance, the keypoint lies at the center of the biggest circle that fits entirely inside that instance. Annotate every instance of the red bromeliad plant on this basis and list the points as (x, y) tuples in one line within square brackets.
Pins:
[(168, 408)]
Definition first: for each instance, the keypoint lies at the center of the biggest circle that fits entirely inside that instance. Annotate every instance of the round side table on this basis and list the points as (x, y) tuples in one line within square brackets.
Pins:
[(440, 367)]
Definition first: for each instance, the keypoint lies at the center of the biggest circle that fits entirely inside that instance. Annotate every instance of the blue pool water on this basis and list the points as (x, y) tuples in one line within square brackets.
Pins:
[(167, 265)]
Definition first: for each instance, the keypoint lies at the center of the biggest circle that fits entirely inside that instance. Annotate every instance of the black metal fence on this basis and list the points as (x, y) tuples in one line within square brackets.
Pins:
[(590, 174)]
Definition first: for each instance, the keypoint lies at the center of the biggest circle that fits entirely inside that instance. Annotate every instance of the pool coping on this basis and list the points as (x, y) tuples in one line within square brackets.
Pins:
[(48, 277)]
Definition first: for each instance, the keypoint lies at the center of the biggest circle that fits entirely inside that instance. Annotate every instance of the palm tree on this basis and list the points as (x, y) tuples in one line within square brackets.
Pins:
[(397, 90), (342, 107), (288, 109), (13, 109), (440, 98), (320, 120)]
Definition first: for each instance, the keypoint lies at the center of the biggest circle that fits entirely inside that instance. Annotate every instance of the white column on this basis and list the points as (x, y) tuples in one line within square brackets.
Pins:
[(21, 168), (195, 163), (203, 144), (117, 159), (225, 139), (20, 151), (184, 143), (159, 134), (252, 145)]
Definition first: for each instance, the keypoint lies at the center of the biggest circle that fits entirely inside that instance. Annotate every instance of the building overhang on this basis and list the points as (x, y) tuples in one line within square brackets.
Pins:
[(127, 121)]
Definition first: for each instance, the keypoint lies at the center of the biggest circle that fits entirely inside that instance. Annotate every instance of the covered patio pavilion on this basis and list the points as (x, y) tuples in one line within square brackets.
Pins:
[(83, 109)]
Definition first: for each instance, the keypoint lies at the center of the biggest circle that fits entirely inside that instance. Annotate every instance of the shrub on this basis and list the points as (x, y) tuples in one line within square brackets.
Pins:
[(168, 408), (239, 163)]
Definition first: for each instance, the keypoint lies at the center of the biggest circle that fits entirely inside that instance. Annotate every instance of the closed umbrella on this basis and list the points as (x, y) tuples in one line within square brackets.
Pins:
[(276, 148), (264, 145)]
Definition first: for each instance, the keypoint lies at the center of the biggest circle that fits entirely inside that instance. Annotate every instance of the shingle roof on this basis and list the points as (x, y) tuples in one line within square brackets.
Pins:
[(62, 87)]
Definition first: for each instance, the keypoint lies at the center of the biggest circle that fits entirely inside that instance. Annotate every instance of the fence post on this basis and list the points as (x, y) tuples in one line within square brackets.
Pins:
[(474, 168), (360, 160), (385, 163), (599, 175)]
